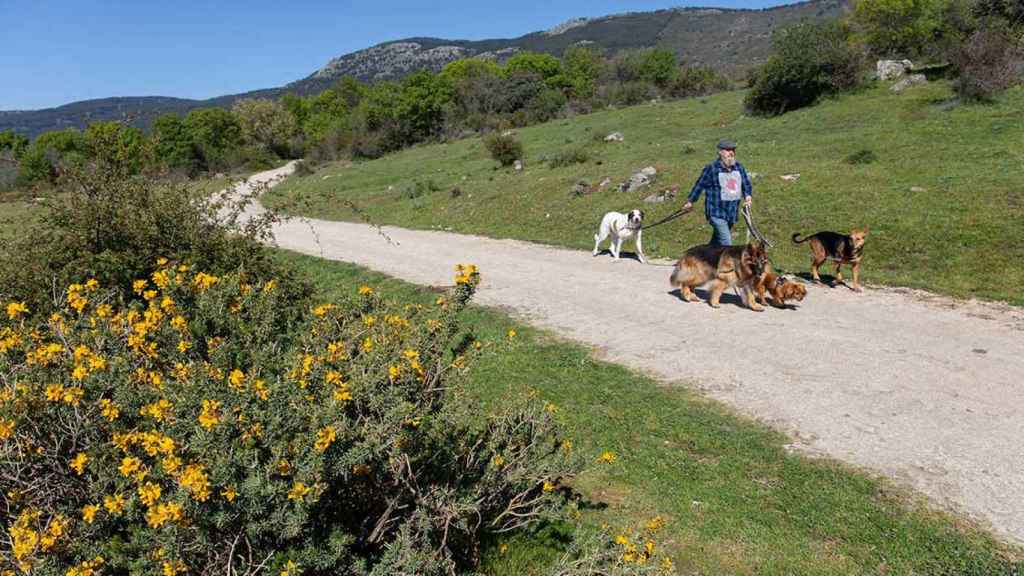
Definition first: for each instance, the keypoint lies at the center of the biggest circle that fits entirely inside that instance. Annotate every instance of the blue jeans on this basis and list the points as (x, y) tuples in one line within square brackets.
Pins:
[(721, 232)]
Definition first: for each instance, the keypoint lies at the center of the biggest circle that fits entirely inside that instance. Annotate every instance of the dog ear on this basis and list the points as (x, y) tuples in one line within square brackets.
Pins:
[(641, 214)]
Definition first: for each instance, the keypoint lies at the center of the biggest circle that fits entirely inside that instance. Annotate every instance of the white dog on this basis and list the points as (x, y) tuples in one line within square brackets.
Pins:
[(620, 227)]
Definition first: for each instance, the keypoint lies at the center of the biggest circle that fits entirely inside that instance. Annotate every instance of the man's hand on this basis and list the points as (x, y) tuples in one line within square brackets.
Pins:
[(748, 200), (688, 205)]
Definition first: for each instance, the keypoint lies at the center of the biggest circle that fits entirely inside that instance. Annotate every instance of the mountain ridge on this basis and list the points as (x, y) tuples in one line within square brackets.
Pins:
[(730, 39)]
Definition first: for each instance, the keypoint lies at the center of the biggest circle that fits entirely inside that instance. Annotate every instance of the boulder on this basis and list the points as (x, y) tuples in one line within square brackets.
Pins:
[(614, 137), (892, 69), (666, 194), (639, 180), (912, 80), (518, 165)]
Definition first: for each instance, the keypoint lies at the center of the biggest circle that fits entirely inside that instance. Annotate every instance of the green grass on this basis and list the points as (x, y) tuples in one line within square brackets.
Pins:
[(737, 502), (16, 216), (961, 235)]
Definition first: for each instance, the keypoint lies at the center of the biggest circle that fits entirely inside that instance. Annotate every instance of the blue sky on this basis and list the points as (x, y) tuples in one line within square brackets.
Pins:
[(57, 51)]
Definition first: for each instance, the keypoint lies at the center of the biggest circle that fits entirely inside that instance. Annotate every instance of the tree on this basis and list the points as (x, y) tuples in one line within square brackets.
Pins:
[(114, 144), (13, 142), (421, 105), (215, 132), (546, 65), (811, 59), (172, 144), (467, 69), (903, 28), (658, 67), (266, 124), (44, 156), (1010, 10), (583, 65)]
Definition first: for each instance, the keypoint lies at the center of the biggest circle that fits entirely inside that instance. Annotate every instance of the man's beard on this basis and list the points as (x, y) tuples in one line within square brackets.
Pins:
[(729, 161)]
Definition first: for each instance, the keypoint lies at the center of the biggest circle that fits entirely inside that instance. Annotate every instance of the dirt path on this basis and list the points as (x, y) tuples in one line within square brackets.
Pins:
[(923, 389)]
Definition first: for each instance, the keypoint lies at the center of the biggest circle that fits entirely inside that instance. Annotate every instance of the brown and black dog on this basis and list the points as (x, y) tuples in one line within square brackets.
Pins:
[(724, 265), (779, 288), (841, 248)]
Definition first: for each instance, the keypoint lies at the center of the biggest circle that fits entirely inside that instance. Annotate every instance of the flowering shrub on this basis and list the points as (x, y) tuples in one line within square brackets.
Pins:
[(183, 432)]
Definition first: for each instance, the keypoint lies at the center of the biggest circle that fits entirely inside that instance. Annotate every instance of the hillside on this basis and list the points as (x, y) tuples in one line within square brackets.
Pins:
[(943, 210), (731, 40)]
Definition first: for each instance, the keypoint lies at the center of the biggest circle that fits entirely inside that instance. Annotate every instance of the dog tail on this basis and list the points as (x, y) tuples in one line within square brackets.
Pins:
[(797, 235), (673, 280)]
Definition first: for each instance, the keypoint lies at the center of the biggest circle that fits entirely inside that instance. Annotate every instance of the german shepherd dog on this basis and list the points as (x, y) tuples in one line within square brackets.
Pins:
[(725, 266), (841, 248), (780, 289)]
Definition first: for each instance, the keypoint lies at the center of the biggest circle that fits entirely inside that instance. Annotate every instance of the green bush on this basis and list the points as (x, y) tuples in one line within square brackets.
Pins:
[(214, 132), (49, 152), (697, 81), (504, 149), (988, 62), (185, 432), (106, 225), (811, 60), (173, 147), (569, 157), (899, 28), (864, 156)]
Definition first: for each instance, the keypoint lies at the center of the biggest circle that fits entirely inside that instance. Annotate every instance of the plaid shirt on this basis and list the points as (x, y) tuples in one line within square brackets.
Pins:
[(714, 206)]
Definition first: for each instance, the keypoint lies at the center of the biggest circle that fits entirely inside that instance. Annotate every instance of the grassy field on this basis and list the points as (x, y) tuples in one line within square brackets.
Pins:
[(938, 184), (736, 501)]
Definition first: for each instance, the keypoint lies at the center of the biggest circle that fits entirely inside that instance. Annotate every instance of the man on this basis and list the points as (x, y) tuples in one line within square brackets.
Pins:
[(723, 182)]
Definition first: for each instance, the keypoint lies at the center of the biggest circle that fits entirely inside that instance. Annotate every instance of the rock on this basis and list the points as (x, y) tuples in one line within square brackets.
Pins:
[(639, 180), (916, 189), (892, 69), (754, 175), (508, 133), (604, 182), (791, 177), (614, 137), (912, 80), (666, 194), (390, 188), (581, 188), (518, 165), (219, 175), (464, 177)]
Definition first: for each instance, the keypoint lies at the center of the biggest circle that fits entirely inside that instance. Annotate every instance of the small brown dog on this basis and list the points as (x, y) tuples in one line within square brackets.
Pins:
[(840, 248), (779, 288), (725, 265)]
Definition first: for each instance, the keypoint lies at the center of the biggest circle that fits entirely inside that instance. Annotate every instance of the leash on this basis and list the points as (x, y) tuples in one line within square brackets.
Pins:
[(669, 218), (752, 229)]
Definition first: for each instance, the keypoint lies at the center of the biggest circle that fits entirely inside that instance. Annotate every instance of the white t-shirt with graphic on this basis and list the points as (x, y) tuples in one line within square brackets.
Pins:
[(730, 185)]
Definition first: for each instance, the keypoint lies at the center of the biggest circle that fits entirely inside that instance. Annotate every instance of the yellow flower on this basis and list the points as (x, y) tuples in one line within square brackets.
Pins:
[(549, 407), (622, 540), (179, 323), (15, 309), (87, 568), (370, 320), (129, 465), (367, 344), (79, 462), (499, 461), (91, 284), (104, 310), (149, 294), (89, 513), (54, 392), (195, 480), (655, 523), (511, 334), (79, 373), (322, 310), (72, 395), (607, 457), (270, 286), (210, 416), (393, 372), (114, 503), (173, 567), (440, 301), (290, 569), (261, 390), (284, 468), (365, 290), (298, 492), (170, 464), (161, 514), (97, 363), (237, 379), (159, 410), (109, 410), (161, 261), (666, 564), (149, 493), (229, 493), (342, 393), (6, 429), (204, 281), (324, 438), (548, 486), (138, 286), (567, 445)]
